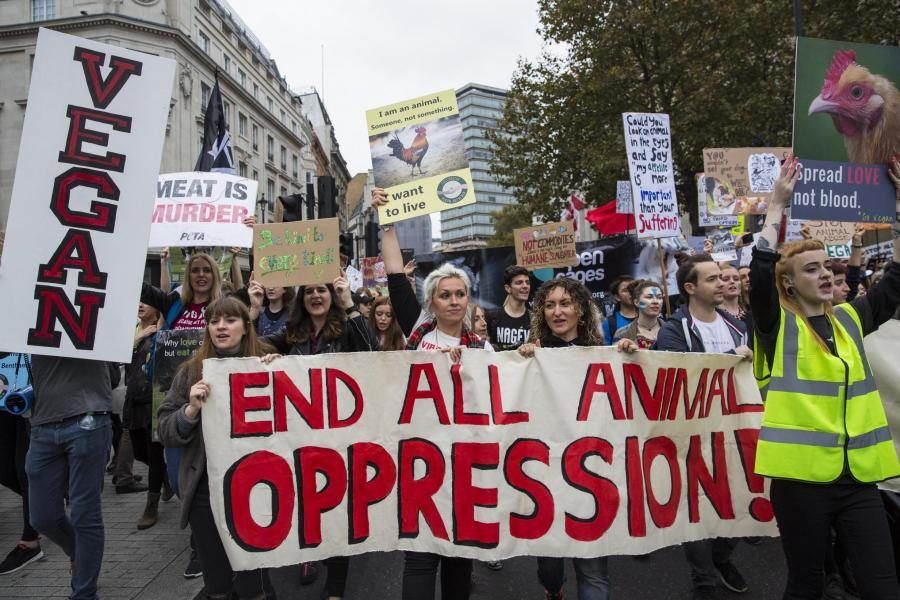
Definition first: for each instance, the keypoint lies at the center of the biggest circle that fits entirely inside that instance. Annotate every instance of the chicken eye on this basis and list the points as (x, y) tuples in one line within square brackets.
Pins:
[(856, 92)]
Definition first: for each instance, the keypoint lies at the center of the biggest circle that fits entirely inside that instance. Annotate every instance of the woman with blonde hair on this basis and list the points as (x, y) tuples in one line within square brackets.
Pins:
[(824, 439), (229, 333)]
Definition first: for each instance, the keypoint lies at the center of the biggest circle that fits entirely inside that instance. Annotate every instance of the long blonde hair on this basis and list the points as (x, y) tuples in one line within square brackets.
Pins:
[(215, 290), (785, 266)]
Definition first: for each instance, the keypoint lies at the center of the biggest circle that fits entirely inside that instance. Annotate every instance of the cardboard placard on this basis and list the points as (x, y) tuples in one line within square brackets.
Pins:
[(545, 246), (723, 245), (648, 144), (202, 210), (296, 253), (79, 220), (836, 236), (419, 156), (405, 451), (739, 181), (842, 132), (710, 208)]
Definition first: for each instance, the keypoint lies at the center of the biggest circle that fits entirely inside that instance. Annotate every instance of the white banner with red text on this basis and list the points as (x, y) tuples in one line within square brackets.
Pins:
[(577, 452), (79, 218)]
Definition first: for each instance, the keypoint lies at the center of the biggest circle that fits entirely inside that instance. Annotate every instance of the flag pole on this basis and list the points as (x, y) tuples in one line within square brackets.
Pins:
[(662, 268)]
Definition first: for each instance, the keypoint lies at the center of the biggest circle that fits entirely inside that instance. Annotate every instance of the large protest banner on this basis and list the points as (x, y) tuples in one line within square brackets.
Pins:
[(296, 253), (202, 209), (79, 219), (423, 134), (648, 144), (576, 452), (845, 130), (598, 263), (545, 246)]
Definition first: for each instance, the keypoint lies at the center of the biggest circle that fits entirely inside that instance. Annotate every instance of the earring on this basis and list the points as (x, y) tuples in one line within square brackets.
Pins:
[(789, 291)]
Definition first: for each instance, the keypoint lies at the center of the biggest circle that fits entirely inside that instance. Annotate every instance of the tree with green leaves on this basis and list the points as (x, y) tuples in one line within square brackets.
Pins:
[(723, 71), (506, 220)]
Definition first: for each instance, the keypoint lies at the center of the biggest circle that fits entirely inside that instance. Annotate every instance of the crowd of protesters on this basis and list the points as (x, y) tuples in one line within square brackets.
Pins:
[(824, 440)]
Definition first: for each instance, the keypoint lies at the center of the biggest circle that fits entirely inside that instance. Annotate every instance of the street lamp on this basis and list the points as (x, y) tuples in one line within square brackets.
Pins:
[(262, 204)]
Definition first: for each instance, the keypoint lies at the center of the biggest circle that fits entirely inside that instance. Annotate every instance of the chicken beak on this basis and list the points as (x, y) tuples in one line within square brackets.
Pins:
[(820, 105)]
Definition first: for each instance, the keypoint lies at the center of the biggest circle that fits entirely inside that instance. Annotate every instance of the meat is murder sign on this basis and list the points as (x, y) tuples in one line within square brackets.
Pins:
[(79, 217), (576, 452)]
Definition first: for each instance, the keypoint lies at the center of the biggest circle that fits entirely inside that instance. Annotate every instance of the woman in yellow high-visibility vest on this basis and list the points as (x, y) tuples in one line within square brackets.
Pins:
[(824, 439)]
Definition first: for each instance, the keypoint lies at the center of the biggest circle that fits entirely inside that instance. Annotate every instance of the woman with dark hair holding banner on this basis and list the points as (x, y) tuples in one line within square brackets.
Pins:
[(323, 320), (440, 326), (562, 316), (229, 333), (824, 440)]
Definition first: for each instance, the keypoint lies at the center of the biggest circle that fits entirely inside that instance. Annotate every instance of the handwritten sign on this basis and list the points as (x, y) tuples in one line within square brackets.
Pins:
[(202, 210), (296, 253), (640, 451), (836, 236), (544, 246), (419, 156), (648, 143), (624, 203), (76, 239), (711, 210), (739, 181)]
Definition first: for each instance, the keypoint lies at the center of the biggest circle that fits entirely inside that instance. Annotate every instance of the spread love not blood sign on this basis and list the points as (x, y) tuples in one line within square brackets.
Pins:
[(577, 452), (79, 220)]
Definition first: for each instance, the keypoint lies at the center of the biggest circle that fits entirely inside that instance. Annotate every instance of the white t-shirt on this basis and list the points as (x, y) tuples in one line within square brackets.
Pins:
[(436, 340), (716, 335)]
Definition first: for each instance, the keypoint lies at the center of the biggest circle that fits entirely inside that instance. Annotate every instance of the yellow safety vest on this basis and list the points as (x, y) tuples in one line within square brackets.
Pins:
[(821, 408)]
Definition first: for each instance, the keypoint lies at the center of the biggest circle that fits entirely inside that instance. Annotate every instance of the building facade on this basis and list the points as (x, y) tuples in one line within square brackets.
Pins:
[(273, 141), (480, 110)]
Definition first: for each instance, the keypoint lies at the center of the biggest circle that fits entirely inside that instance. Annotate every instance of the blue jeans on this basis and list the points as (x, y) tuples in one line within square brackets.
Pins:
[(591, 575), (65, 456)]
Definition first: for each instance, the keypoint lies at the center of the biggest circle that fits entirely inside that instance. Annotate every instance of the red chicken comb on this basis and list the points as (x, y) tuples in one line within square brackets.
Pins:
[(839, 63)]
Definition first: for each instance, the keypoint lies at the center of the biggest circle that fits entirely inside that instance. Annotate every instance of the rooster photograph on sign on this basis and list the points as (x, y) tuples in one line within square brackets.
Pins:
[(408, 153)]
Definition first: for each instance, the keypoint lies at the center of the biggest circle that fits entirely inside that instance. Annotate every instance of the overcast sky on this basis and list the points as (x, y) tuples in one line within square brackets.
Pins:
[(384, 51)]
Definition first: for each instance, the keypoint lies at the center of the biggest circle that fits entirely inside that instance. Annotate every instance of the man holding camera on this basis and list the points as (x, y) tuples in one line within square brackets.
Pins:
[(70, 441)]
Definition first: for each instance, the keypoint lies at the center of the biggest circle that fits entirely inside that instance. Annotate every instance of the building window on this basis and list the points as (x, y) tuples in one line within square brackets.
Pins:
[(294, 126), (283, 158), (242, 124), (308, 177), (295, 166), (270, 194), (270, 104), (41, 10), (283, 116), (270, 149), (283, 192), (256, 90), (226, 107), (255, 138), (204, 42), (205, 91), (227, 61), (255, 175), (242, 77), (242, 169)]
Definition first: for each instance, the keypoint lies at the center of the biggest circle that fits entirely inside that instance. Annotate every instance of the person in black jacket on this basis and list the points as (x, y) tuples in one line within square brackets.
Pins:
[(323, 320), (702, 326)]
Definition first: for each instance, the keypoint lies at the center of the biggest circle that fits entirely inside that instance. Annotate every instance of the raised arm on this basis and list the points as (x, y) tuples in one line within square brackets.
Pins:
[(390, 245)]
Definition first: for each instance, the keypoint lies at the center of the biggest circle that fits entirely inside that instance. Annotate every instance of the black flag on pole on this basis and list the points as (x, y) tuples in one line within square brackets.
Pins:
[(216, 152)]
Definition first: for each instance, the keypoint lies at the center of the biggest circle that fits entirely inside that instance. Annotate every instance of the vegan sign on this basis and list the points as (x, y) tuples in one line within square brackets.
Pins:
[(548, 245), (82, 198), (648, 144), (296, 253), (318, 456), (202, 209), (844, 94), (422, 134)]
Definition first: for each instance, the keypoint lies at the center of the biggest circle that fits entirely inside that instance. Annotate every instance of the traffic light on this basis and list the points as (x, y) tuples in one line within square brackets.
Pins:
[(373, 244), (347, 245), (327, 196), (310, 201)]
